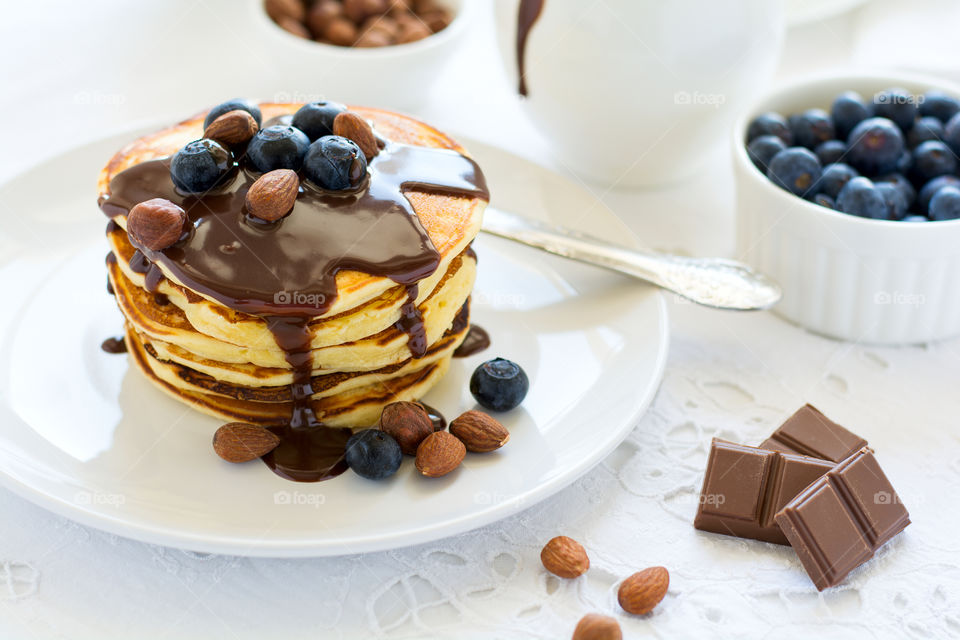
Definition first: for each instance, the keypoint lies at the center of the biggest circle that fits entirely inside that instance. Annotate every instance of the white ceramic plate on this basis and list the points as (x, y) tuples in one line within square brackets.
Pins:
[(85, 436)]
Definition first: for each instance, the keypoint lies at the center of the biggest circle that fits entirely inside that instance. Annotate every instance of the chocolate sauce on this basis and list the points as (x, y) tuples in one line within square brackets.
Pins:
[(114, 345), (286, 271), (476, 341), (439, 422), (152, 278), (290, 267), (527, 15), (411, 323), (110, 286), (139, 262)]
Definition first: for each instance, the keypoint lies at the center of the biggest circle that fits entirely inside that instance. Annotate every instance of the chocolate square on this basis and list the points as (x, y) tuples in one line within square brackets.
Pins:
[(744, 487), (837, 523), (810, 433)]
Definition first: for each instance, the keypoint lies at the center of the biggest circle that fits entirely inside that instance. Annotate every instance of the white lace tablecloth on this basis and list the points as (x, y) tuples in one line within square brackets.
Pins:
[(734, 376)]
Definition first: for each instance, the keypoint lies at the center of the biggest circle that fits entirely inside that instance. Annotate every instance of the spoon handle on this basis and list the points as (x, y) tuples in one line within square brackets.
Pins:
[(713, 282)]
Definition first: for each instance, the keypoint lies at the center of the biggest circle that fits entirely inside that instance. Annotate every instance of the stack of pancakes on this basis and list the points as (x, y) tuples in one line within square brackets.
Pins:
[(227, 363)]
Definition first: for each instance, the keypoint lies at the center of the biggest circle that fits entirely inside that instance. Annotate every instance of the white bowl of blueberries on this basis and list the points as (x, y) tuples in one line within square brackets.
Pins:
[(848, 194)]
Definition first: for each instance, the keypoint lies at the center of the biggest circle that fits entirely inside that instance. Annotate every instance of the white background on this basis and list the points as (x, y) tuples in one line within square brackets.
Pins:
[(75, 71)]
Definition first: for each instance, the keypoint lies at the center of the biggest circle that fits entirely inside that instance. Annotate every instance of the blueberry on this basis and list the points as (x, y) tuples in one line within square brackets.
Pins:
[(861, 198), (795, 169), (762, 149), (901, 182), (834, 177), (898, 105), (905, 163), (939, 105), (200, 165), (951, 133), (925, 129), (812, 127), (913, 217), (373, 454), (830, 151), (874, 146), (945, 205), (499, 384), (894, 198), (824, 200), (932, 159), (241, 104), (335, 163), (848, 111), (769, 124), (931, 188), (316, 118), (278, 147)]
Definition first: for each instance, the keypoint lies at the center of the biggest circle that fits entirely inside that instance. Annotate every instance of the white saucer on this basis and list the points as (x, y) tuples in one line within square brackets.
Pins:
[(84, 435)]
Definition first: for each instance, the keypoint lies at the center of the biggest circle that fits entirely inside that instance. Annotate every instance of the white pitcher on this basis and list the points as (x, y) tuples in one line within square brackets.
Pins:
[(633, 92)]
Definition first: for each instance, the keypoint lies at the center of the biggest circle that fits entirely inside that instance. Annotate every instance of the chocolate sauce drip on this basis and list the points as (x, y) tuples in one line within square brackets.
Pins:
[(308, 451), (152, 278), (110, 287), (286, 271), (476, 341), (439, 422), (527, 15), (114, 345), (290, 267), (160, 300), (308, 455), (139, 262), (411, 323)]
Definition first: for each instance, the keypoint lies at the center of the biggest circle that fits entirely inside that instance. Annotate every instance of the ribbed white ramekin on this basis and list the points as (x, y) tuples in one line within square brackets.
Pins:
[(851, 278)]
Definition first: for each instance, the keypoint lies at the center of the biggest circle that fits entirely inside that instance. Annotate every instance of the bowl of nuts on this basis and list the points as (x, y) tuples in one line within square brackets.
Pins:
[(848, 195), (384, 52)]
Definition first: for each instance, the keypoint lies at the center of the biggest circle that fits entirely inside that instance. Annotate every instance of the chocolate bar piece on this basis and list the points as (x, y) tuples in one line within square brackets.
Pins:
[(744, 487), (810, 433), (838, 523)]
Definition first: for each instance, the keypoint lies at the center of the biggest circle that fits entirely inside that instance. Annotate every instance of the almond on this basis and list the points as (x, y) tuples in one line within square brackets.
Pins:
[(439, 454), (340, 31), (595, 626), (273, 195), (321, 14), (294, 27), (479, 432), (350, 125), (565, 557), (155, 224), (408, 423), (241, 442), (233, 127), (642, 591), (279, 9)]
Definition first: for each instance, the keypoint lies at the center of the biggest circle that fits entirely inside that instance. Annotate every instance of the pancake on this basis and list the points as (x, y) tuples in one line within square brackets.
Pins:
[(376, 339), (450, 222), (337, 348), (356, 408)]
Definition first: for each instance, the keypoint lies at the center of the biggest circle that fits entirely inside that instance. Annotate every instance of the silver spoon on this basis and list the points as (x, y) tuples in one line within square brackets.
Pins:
[(713, 282)]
